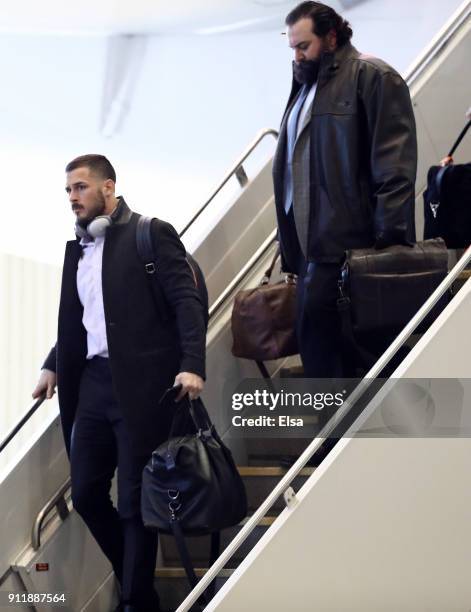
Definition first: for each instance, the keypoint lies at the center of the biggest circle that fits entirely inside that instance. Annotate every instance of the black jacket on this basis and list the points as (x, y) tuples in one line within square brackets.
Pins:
[(363, 159), (145, 351)]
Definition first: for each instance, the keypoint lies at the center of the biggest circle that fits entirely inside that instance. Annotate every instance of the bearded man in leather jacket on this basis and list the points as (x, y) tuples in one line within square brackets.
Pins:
[(344, 171)]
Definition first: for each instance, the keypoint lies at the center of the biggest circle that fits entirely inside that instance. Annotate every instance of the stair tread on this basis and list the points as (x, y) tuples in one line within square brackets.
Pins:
[(270, 471), (179, 572)]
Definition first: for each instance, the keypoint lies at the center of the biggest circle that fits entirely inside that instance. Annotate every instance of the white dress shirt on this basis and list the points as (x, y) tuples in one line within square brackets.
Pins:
[(90, 290)]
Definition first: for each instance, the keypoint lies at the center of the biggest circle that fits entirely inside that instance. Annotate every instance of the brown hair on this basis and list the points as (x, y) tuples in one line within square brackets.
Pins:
[(324, 19), (98, 164)]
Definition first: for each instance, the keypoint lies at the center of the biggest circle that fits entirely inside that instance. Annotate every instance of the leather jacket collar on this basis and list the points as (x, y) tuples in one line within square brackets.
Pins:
[(332, 61), (330, 65), (123, 213)]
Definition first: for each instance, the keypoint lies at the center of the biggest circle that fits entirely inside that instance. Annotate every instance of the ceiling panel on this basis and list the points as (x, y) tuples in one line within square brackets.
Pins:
[(125, 16), (156, 16)]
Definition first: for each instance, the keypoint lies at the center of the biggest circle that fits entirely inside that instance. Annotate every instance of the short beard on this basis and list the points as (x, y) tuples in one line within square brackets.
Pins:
[(99, 209)]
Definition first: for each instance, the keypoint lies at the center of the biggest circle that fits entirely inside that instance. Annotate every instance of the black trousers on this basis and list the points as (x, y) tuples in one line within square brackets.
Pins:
[(100, 444), (318, 321), (318, 324)]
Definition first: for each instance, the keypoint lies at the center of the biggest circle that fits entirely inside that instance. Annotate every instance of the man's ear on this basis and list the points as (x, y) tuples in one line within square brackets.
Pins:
[(108, 187), (332, 40)]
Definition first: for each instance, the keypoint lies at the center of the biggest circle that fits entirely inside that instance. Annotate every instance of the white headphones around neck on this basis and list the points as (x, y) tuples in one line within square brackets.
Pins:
[(97, 226)]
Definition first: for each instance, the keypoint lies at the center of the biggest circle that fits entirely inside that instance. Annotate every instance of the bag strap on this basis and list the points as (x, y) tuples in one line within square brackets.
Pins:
[(186, 560), (145, 246), (146, 252), (213, 555), (267, 274), (459, 139)]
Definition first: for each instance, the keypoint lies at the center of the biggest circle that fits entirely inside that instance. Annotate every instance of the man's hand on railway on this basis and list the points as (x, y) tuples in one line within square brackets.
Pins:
[(46, 384), (191, 384)]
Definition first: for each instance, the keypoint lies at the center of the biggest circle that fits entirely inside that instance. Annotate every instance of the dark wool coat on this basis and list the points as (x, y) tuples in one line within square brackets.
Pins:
[(146, 351), (360, 160)]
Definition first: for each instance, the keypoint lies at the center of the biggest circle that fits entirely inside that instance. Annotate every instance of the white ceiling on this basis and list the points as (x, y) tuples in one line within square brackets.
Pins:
[(144, 16)]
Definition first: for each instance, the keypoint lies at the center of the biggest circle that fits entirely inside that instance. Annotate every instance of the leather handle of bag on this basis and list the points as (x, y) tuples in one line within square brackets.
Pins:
[(269, 271), (196, 406), (176, 419), (460, 138)]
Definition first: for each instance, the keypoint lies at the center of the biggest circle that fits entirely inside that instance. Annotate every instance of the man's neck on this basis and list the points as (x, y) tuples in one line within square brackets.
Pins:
[(111, 205)]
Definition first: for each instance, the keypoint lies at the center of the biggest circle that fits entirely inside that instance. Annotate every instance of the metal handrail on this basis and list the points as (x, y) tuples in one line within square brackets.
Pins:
[(242, 274), (237, 171), (24, 419), (58, 501), (314, 446), (438, 43)]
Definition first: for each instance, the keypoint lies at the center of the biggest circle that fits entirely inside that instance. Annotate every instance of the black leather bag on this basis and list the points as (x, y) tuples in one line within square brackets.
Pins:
[(192, 480), (381, 290), (447, 202), (191, 485)]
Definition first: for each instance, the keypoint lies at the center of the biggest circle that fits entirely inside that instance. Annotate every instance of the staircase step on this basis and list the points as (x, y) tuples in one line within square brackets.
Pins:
[(268, 451), (260, 482), (172, 585), (179, 572), (171, 581), (198, 546), (292, 372)]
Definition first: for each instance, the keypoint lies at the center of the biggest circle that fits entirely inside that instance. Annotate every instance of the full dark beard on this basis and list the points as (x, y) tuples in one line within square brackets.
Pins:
[(306, 71)]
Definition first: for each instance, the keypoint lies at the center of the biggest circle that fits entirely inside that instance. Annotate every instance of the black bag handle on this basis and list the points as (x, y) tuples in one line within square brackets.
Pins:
[(289, 278), (187, 407), (459, 139), (441, 173)]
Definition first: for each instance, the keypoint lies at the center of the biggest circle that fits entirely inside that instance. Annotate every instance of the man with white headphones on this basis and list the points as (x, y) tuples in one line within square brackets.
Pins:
[(116, 354)]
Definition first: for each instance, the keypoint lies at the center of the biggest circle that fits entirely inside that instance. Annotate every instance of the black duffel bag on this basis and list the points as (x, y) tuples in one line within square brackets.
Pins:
[(447, 202), (191, 485)]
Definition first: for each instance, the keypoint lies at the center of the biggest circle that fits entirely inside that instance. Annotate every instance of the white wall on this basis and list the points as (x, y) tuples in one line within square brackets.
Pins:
[(29, 293)]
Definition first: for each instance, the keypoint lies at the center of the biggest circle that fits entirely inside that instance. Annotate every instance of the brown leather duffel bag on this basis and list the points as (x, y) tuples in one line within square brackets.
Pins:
[(263, 319)]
